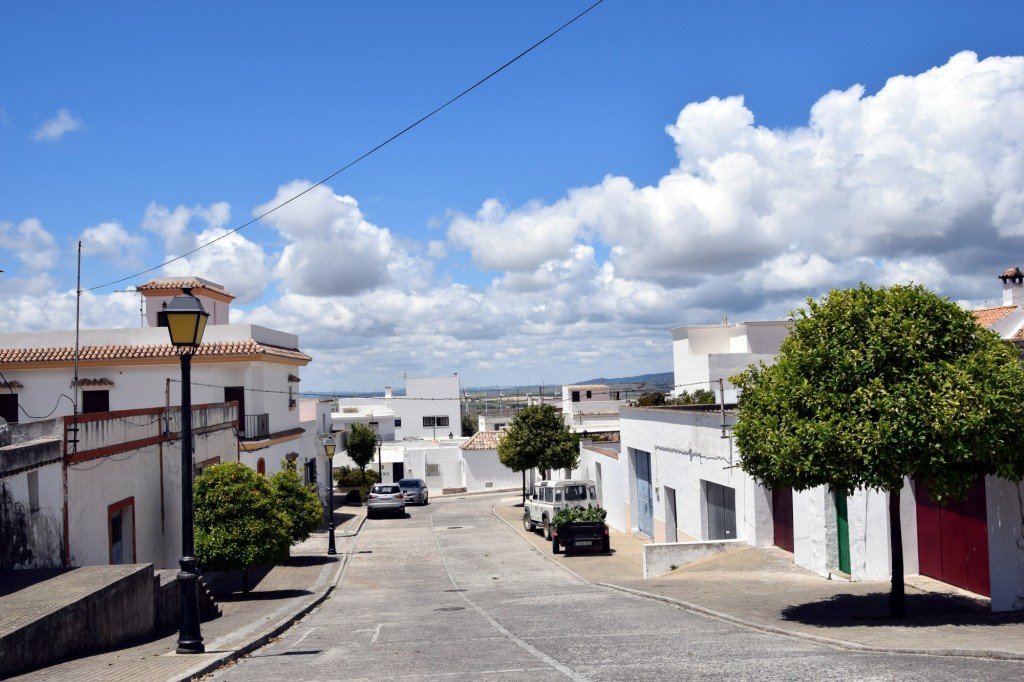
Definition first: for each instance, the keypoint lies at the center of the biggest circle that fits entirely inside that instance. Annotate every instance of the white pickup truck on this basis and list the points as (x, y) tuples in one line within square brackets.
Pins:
[(550, 497)]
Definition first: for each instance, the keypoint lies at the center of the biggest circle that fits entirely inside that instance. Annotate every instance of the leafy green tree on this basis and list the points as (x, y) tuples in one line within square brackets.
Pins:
[(873, 385), (538, 437), (654, 399), (238, 520), (362, 443), (469, 425), (300, 502), (698, 396)]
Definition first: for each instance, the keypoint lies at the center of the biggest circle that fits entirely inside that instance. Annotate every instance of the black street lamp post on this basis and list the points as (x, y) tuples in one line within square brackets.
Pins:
[(329, 447), (186, 321), (380, 461)]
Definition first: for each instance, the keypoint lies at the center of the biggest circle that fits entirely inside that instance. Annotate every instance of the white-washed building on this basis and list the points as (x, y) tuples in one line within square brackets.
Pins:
[(683, 484), (431, 408), (592, 408), (121, 369), (108, 492), (705, 355)]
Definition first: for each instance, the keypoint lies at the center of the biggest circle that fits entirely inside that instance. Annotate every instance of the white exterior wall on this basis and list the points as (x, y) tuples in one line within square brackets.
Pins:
[(612, 478), (95, 484), (1005, 510), (449, 461), (423, 398), (429, 398), (868, 516), (485, 472), (703, 354), (815, 533), (686, 448), (44, 528), (146, 385), (115, 461)]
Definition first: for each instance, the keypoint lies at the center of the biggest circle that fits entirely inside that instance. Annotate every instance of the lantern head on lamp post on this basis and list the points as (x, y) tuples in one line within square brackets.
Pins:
[(329, 447), (186, 321)]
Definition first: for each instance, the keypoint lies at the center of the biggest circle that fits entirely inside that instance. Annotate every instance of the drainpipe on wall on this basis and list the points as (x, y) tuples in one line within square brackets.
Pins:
[(721, 400)]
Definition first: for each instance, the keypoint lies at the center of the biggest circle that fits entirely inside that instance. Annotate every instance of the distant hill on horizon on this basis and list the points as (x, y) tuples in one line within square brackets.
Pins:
[(659, 379), (655, 380)]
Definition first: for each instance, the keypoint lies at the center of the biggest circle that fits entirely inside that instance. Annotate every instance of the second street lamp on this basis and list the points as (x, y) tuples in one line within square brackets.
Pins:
[(186, 321), (380, 462), (329, 447)]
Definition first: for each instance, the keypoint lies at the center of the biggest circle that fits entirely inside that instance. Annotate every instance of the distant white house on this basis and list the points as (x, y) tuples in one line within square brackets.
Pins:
[(705, 354), (430, 408), (592, 408)]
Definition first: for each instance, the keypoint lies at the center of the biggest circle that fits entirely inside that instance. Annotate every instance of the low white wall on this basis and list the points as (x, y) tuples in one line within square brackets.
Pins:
[(662, 558), (484, 471)]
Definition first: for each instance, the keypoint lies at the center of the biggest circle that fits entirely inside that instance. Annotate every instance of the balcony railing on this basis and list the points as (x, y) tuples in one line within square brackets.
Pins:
[(256, 426)]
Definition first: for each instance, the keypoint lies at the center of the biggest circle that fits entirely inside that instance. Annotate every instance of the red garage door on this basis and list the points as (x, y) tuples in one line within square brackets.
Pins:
[(782, 518), (952, 541)]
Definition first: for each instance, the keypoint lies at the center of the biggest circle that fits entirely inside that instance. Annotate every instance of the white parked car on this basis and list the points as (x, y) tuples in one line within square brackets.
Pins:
[(385, 497)]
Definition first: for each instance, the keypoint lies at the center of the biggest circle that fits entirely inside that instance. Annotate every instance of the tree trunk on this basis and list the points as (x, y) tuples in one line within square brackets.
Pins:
[(897, 601), (245, 580), (524, 487)]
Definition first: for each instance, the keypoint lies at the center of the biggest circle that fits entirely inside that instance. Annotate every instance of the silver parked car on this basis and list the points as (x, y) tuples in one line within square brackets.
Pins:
[(385, 497), (415, 490)]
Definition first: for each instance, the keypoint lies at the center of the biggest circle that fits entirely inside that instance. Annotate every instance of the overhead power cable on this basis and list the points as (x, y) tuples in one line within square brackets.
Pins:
[(344, 168)]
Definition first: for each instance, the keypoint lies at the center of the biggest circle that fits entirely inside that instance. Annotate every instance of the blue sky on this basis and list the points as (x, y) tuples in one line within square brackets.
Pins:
[(654, 164)]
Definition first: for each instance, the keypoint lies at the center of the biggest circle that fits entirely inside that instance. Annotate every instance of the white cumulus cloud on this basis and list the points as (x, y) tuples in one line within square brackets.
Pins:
[(58, 126)]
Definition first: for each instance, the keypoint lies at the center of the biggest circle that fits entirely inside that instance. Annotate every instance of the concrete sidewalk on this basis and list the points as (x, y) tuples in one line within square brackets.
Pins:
[(761, 588), (278, 597)]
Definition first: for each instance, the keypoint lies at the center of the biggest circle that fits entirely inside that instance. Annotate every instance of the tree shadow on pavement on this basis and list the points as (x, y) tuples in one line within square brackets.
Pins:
[(267, 595), (923, 610)]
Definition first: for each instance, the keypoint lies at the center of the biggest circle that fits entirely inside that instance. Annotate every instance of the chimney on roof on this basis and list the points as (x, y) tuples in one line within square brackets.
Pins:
[(1013, 287)]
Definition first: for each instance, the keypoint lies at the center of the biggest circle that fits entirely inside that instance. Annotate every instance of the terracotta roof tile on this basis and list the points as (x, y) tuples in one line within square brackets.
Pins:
[(483, 440), (220, 349), (986, 317), (174, 284)]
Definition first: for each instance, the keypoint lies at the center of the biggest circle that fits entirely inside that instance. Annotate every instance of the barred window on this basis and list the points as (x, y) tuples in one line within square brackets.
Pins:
[(429, 422)]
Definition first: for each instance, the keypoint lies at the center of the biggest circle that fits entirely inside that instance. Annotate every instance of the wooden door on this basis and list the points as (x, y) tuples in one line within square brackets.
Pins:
[(782, 518), (952, 540), (842, 533)]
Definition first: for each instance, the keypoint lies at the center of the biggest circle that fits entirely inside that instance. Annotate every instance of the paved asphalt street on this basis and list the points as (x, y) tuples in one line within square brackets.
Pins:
[(452, 592)]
